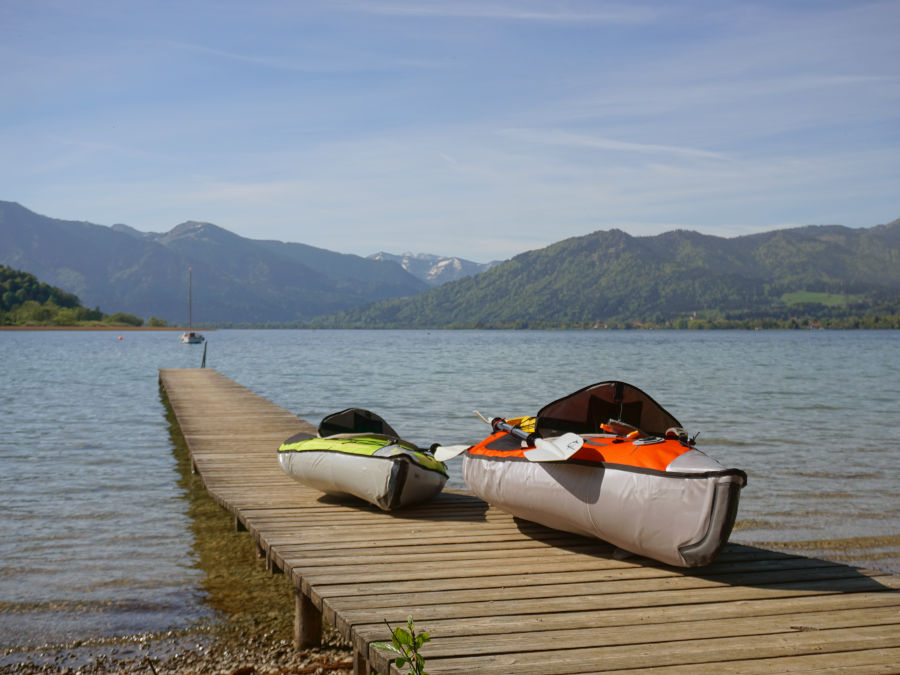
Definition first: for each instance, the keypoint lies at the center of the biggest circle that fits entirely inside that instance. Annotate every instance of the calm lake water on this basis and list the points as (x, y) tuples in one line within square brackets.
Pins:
[(95, 540)]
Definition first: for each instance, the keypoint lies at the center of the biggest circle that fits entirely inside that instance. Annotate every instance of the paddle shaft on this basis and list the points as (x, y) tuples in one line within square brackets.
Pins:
[(500, 424)]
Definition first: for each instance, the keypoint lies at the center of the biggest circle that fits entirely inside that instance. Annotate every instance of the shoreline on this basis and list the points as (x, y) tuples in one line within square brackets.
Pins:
[(575, 329), (211, 649), (103, 328)]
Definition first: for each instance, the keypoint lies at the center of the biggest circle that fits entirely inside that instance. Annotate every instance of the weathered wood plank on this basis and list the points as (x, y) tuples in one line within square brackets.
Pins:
[(560, 579), (475, 628), (668, 654), (864, 662), (502, 642), (347, 615)]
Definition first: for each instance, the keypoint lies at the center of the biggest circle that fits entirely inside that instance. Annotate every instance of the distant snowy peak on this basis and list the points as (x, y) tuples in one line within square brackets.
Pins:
[(434, 269)]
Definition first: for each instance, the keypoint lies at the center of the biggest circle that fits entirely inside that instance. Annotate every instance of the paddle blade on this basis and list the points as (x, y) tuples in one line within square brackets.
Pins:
[(554, 449), (444, 452)]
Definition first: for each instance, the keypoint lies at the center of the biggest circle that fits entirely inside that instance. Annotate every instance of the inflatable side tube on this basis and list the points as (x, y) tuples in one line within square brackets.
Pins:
[(386, 482), (680, 519), (723, 513), (413, 484), (340, 474)]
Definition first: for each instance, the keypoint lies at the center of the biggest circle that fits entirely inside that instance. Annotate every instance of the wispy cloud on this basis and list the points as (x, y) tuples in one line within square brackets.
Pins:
[(267, 62), (542, 11), (308, 61), (696, 89), (584, 142)]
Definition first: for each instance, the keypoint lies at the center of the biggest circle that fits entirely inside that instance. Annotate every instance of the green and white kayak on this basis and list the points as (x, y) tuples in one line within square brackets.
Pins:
[(376, 467)]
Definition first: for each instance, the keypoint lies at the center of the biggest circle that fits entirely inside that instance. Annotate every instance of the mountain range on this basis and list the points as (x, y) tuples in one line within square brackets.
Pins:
[(604, 277), (235, 280), (611, 276)]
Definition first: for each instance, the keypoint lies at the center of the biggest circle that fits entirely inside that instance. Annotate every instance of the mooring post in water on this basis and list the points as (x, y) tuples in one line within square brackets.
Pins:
[(307, 622), (203, 363)]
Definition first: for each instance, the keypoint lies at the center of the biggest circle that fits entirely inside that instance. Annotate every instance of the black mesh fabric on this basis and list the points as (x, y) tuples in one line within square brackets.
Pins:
[(355, 421), (585, 410)]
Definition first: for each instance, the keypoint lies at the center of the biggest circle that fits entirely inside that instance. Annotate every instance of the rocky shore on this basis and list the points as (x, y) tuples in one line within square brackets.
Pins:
[(221, 650)]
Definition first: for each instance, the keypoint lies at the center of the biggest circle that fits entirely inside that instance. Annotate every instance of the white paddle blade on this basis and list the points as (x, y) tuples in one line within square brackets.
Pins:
[(442, 453), (554, 449)]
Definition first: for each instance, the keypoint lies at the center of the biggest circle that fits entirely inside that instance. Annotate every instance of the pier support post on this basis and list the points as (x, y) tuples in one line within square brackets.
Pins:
[(307, 622), (271, 566), (360, 663)]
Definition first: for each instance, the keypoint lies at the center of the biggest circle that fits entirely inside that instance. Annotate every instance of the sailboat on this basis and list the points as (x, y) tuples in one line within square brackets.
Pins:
[(190, 337)]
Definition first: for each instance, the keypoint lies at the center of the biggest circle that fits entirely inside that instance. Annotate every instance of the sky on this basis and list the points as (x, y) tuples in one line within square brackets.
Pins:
[(471, 128)]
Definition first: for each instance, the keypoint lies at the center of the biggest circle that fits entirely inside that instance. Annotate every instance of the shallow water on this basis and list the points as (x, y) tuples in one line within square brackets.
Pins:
[(96, 534)]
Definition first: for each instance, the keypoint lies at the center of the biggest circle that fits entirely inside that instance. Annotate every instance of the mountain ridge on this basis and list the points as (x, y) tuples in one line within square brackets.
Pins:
[(611, 276), (604, 277), (236, 280)]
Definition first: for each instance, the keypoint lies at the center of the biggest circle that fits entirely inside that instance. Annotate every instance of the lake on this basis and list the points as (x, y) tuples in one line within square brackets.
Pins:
[(95, 536)]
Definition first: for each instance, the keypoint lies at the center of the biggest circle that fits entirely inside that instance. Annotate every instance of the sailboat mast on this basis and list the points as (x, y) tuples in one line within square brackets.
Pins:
[(190, 301)]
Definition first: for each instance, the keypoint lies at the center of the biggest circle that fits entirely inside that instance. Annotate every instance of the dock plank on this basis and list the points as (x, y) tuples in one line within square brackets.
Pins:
[(501, 595)]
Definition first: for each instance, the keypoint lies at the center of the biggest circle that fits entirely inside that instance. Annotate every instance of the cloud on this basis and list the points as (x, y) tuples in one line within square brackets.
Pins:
[(311, 59), (547, 11), (580, 141)]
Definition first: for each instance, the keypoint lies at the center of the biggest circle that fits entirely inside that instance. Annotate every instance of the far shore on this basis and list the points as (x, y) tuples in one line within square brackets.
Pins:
[(107, 328)]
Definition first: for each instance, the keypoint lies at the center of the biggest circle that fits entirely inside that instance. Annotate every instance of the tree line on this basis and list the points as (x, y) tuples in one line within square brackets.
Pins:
[(26, 301)]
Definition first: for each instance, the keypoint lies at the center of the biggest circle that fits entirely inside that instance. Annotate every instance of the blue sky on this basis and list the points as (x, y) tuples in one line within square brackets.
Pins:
[(477, 128)]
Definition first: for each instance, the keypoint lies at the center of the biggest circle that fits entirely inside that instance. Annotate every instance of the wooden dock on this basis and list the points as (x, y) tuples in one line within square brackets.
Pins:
[(500, 595)]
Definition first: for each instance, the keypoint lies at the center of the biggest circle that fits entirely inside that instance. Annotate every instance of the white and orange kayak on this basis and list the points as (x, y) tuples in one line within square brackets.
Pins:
[(609, 462)]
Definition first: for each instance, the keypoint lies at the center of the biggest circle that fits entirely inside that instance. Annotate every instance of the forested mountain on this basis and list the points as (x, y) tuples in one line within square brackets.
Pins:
[(25, 300), (604, 278), (236, 280), (610, 276), (433, 269)]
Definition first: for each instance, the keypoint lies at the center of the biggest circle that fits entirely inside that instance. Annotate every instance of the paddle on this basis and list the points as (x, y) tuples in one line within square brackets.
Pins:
[(442, 453), (556, 449)]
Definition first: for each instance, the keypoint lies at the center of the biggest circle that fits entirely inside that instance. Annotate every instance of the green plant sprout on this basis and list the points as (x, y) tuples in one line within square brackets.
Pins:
[(406, 645)]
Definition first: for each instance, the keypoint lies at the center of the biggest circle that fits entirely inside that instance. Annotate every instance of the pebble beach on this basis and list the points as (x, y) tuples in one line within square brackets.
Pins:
[(237, 653)]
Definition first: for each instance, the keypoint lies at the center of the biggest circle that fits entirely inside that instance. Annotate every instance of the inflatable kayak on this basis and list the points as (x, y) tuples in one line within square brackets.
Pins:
[(609, 462), (358, 454)]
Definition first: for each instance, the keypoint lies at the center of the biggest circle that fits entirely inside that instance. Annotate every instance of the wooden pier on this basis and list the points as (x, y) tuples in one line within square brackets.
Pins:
[(500, 595)]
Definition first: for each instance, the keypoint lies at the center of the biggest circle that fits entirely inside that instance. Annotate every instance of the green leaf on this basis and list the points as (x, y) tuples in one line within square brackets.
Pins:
[(403, 637), (405, 644), (386, 646)]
